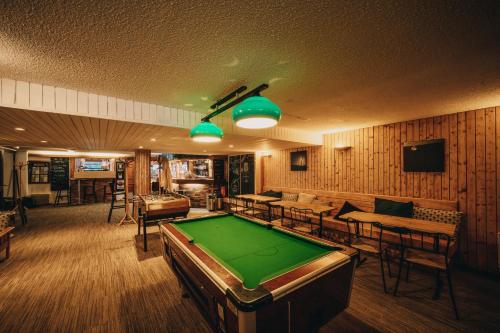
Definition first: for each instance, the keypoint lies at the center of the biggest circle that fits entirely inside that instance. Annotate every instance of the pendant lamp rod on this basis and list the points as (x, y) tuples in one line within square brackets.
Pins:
[(229, 105), (228, 97)]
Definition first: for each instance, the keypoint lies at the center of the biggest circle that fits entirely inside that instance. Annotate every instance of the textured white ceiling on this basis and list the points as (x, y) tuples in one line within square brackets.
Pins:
[(332, 64)]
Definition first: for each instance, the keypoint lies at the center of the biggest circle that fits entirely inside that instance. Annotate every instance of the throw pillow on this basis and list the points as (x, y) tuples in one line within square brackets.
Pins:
[(437, 215), (306, 197), (394, 208), (289, 196), (272, 194), (346, 208)]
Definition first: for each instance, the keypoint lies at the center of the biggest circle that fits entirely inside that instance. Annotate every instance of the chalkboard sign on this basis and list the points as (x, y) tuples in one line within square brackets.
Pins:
[(219, 171), (241, 174), (247, 174), (59, 173), (234, 175)]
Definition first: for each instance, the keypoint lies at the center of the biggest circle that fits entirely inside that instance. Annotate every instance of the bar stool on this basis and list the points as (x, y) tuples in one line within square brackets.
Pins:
[(113, 205), (91, 193)]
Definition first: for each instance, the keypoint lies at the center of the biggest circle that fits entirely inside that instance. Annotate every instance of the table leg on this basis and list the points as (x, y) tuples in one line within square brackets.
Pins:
[(269, 212), (282, 214)]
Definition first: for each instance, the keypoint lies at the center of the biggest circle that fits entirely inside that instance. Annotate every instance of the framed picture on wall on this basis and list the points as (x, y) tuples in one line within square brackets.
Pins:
[(298, 160)]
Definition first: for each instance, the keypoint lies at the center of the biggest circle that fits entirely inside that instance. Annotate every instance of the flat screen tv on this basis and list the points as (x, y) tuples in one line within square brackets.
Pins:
[(424, 156)]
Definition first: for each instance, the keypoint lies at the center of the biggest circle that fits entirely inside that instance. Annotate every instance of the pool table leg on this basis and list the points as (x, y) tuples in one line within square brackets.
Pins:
[(321, 224), (282, 214)]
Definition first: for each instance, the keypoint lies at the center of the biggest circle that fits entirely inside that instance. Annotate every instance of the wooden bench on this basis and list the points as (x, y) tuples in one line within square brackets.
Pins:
[(338, 229), (366, 201)]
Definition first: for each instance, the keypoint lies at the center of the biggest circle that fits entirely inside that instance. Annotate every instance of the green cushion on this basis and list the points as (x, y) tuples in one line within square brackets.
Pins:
[(394, 208)]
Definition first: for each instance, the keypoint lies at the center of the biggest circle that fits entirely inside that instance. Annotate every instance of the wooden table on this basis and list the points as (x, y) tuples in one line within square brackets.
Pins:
[(404, 222), (257, 198), (317, 209)]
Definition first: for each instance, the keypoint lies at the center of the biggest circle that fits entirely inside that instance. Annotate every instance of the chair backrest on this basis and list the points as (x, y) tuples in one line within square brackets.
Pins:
[(437, 242), (375, 231)]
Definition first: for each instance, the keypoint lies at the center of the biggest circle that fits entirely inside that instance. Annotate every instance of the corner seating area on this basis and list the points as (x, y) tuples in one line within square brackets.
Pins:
[(434, 251)]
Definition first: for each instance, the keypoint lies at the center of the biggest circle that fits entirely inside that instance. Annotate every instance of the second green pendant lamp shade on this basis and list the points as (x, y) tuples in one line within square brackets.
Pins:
[(256, 112), (251, 111)]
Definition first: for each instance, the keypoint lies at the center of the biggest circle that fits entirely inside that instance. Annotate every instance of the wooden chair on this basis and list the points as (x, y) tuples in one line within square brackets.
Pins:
[(301, 220), (437, 258), (367, 238)]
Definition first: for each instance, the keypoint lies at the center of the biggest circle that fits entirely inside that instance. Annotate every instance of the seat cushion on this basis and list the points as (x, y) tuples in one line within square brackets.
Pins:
[(289, 196), (346, 208), (306, 198), (394, 208)]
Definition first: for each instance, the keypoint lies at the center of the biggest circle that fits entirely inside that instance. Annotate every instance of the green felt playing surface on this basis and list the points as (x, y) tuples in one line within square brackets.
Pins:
[(251, 251)]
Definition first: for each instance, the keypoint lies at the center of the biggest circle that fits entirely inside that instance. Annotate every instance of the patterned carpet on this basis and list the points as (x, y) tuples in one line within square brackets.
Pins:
[(70, 271)]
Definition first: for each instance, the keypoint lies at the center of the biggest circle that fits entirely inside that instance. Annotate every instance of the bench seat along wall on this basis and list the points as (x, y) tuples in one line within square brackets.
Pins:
[(374, 166)]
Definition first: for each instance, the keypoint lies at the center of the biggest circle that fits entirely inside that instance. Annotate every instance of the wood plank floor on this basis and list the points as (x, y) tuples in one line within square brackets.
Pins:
[(71, 271)]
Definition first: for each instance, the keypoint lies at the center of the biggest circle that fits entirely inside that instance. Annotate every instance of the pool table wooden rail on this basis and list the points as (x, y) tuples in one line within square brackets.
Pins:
[(224, 301)]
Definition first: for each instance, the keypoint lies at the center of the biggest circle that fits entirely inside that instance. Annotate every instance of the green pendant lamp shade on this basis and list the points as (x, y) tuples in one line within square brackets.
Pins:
[(206, 132), (256, 112)]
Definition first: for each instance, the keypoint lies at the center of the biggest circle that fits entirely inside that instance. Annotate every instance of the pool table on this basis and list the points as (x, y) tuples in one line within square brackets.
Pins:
[(247, 275)]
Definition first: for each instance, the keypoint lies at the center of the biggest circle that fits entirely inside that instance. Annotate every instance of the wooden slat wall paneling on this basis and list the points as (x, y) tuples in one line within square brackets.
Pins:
[(462, 182), (491, 189), (374, 165), (497, 169), (482, 254)]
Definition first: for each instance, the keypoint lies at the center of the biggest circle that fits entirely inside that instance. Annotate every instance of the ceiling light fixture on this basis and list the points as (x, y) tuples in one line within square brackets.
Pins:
[(43, 141), (206, 132), (20, 129), (252, 111), (256, 112)]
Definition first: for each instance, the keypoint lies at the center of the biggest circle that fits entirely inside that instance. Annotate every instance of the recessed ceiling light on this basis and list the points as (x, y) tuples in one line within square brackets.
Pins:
[(204, 98), (17, 147), (140, 147), (19, 129), (43, 141), (188, 105), (204, 151), (231, 146), (153, 139)]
